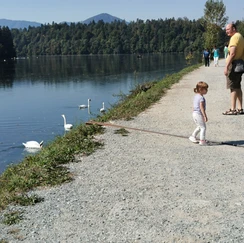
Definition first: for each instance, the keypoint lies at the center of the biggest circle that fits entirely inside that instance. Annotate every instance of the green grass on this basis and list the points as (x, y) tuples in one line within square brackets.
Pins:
[(47, 167), (3, 241), (138, 101), (12, 217), (122, 132)]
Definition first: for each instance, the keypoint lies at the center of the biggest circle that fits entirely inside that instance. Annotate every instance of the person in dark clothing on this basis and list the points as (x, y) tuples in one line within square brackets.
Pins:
[(206, 56)]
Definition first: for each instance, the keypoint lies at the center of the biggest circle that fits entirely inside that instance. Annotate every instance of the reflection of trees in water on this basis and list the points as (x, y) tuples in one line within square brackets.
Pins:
[(7, 74), (74, 66), (64, 68)]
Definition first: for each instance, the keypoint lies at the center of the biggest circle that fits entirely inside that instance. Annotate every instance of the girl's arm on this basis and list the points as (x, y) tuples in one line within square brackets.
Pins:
[(202, 105)]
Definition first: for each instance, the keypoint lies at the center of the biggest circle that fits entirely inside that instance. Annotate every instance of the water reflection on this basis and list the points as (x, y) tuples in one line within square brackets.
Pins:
[(7, 74), (56, 69), (83, 106)]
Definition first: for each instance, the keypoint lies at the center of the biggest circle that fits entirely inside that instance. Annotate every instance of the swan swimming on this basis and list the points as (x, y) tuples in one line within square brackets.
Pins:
[(85, 106), (67, 126), (103, 108), (33, 144)]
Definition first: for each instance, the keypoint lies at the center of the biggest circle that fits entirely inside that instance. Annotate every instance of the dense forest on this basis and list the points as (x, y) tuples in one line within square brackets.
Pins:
[(151, 36), (118, 37)]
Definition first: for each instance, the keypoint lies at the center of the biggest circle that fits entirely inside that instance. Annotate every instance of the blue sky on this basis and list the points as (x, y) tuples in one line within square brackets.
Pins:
[(47, 11)]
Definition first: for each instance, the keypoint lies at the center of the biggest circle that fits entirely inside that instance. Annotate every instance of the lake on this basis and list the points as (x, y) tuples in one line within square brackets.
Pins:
[(35, 92)]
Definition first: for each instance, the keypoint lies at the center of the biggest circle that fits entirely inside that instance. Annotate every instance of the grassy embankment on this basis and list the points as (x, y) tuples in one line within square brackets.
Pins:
[(47, 167)]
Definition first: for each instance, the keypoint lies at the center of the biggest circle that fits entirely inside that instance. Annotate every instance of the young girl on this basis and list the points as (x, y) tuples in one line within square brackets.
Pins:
[(199, 113)]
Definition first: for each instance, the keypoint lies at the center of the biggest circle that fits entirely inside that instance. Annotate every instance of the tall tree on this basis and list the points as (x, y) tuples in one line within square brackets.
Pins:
[(7, 50), (240, 26), (214, 20)]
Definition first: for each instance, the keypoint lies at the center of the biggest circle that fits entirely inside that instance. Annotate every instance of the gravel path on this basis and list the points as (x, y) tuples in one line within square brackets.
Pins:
[(148, 187)]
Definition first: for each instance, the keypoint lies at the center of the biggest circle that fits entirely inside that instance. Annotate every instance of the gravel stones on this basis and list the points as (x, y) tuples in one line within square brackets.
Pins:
[(148, 187)]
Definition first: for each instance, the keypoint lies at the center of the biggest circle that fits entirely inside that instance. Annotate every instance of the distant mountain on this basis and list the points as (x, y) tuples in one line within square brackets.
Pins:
[(18, 24), (21, 24), (107, 18)]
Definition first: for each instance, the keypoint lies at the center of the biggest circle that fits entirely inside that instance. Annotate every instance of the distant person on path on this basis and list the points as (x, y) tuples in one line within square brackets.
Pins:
[(206, 57), (226, 50), (199, 113), (216, 56), (236, 51)]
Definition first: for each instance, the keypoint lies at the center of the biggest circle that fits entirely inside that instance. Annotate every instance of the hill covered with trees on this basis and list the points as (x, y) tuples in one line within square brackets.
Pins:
[(118, 37)]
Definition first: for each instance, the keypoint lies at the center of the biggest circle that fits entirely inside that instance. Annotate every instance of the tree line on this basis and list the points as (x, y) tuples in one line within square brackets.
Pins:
[(151, 36), (7, 49), (118, 37)]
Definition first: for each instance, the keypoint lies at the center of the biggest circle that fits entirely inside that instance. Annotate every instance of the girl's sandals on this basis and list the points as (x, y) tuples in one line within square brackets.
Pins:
[(240, 111), (230, 112)]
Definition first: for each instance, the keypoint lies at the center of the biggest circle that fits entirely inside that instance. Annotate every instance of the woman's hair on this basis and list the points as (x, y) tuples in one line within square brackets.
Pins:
[(200, 85)]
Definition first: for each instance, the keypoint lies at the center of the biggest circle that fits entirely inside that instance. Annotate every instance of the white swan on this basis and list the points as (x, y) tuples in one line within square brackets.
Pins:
[(67, 126), (103, 108), (85, 106), (33, 144)]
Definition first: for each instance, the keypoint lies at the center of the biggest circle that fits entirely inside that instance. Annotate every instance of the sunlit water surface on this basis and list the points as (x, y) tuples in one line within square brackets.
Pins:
[(35, 92)]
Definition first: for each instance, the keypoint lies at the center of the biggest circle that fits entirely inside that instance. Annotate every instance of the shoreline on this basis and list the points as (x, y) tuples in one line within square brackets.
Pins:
[(147, 187)]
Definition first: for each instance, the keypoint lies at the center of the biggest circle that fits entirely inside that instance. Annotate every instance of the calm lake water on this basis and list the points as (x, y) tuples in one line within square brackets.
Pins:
[(35, 92)]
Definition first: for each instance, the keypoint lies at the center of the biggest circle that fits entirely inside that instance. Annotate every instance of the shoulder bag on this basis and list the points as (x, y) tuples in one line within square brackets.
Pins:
[(238, 66)]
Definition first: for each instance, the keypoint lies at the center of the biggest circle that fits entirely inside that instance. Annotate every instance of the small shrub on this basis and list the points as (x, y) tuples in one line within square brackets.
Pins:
[(25, 200), (122, 131), (3, 241), (12, 217)]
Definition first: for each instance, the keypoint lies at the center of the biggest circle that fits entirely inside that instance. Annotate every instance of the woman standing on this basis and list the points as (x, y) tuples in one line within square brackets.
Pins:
[(226, 51), (216, 56)]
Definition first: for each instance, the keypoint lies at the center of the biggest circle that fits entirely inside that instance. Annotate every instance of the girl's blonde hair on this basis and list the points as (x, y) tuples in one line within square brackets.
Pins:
[(200, 85)]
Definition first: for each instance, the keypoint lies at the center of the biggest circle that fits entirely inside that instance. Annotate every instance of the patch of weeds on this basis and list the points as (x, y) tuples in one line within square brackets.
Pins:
[(129, 118), (12, 217), (122, 131), (141, 88), (16, 234), (3, 241), (25, 200), (143, 96), (14, 231)]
